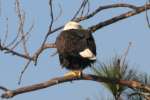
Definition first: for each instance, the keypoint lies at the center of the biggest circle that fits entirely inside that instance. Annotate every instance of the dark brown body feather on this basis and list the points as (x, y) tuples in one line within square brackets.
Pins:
[(69, 43)]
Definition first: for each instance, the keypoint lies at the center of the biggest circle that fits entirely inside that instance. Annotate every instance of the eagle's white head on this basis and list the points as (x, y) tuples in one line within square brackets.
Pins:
[(72, 25)]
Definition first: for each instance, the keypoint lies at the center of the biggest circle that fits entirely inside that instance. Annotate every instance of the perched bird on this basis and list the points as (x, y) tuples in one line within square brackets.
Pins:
[(76, 48)]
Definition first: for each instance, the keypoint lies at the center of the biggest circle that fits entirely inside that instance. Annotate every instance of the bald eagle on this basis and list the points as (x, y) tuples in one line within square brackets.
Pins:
[(76, 48)]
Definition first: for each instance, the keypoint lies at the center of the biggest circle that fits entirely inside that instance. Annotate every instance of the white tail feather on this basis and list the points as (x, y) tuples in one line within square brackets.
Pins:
[(87, 53)]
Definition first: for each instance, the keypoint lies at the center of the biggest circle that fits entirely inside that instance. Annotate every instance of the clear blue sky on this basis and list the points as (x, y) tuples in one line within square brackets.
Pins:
[(110, 41)]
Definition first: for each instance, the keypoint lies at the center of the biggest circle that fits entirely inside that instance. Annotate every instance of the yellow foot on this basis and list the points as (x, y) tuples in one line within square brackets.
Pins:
[(74, 73)]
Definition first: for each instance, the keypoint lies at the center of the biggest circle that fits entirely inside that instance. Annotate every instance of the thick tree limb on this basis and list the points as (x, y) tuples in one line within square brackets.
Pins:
[(136, 11), (58, 80), (100, 8)]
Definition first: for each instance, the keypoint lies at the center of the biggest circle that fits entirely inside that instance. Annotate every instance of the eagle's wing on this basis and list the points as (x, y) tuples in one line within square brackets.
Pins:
[(70, 41), (71, 45), (91, 44)]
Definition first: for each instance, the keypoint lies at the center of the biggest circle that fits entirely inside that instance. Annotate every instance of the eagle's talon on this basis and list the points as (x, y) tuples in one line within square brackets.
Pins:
[(74, 73)]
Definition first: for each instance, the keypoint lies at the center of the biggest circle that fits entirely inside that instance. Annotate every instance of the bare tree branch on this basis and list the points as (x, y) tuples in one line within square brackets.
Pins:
[(96, 11), (23, 39), (6, 33), (21, 25), (81, 9), (45, 46), (22, 72), (58, 80), (60, 13), (3, 88), (136, 11), (100, 8), (26, 36), (52, 45), (50, 28), (84, 8), (3, 48), (146, 14)]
